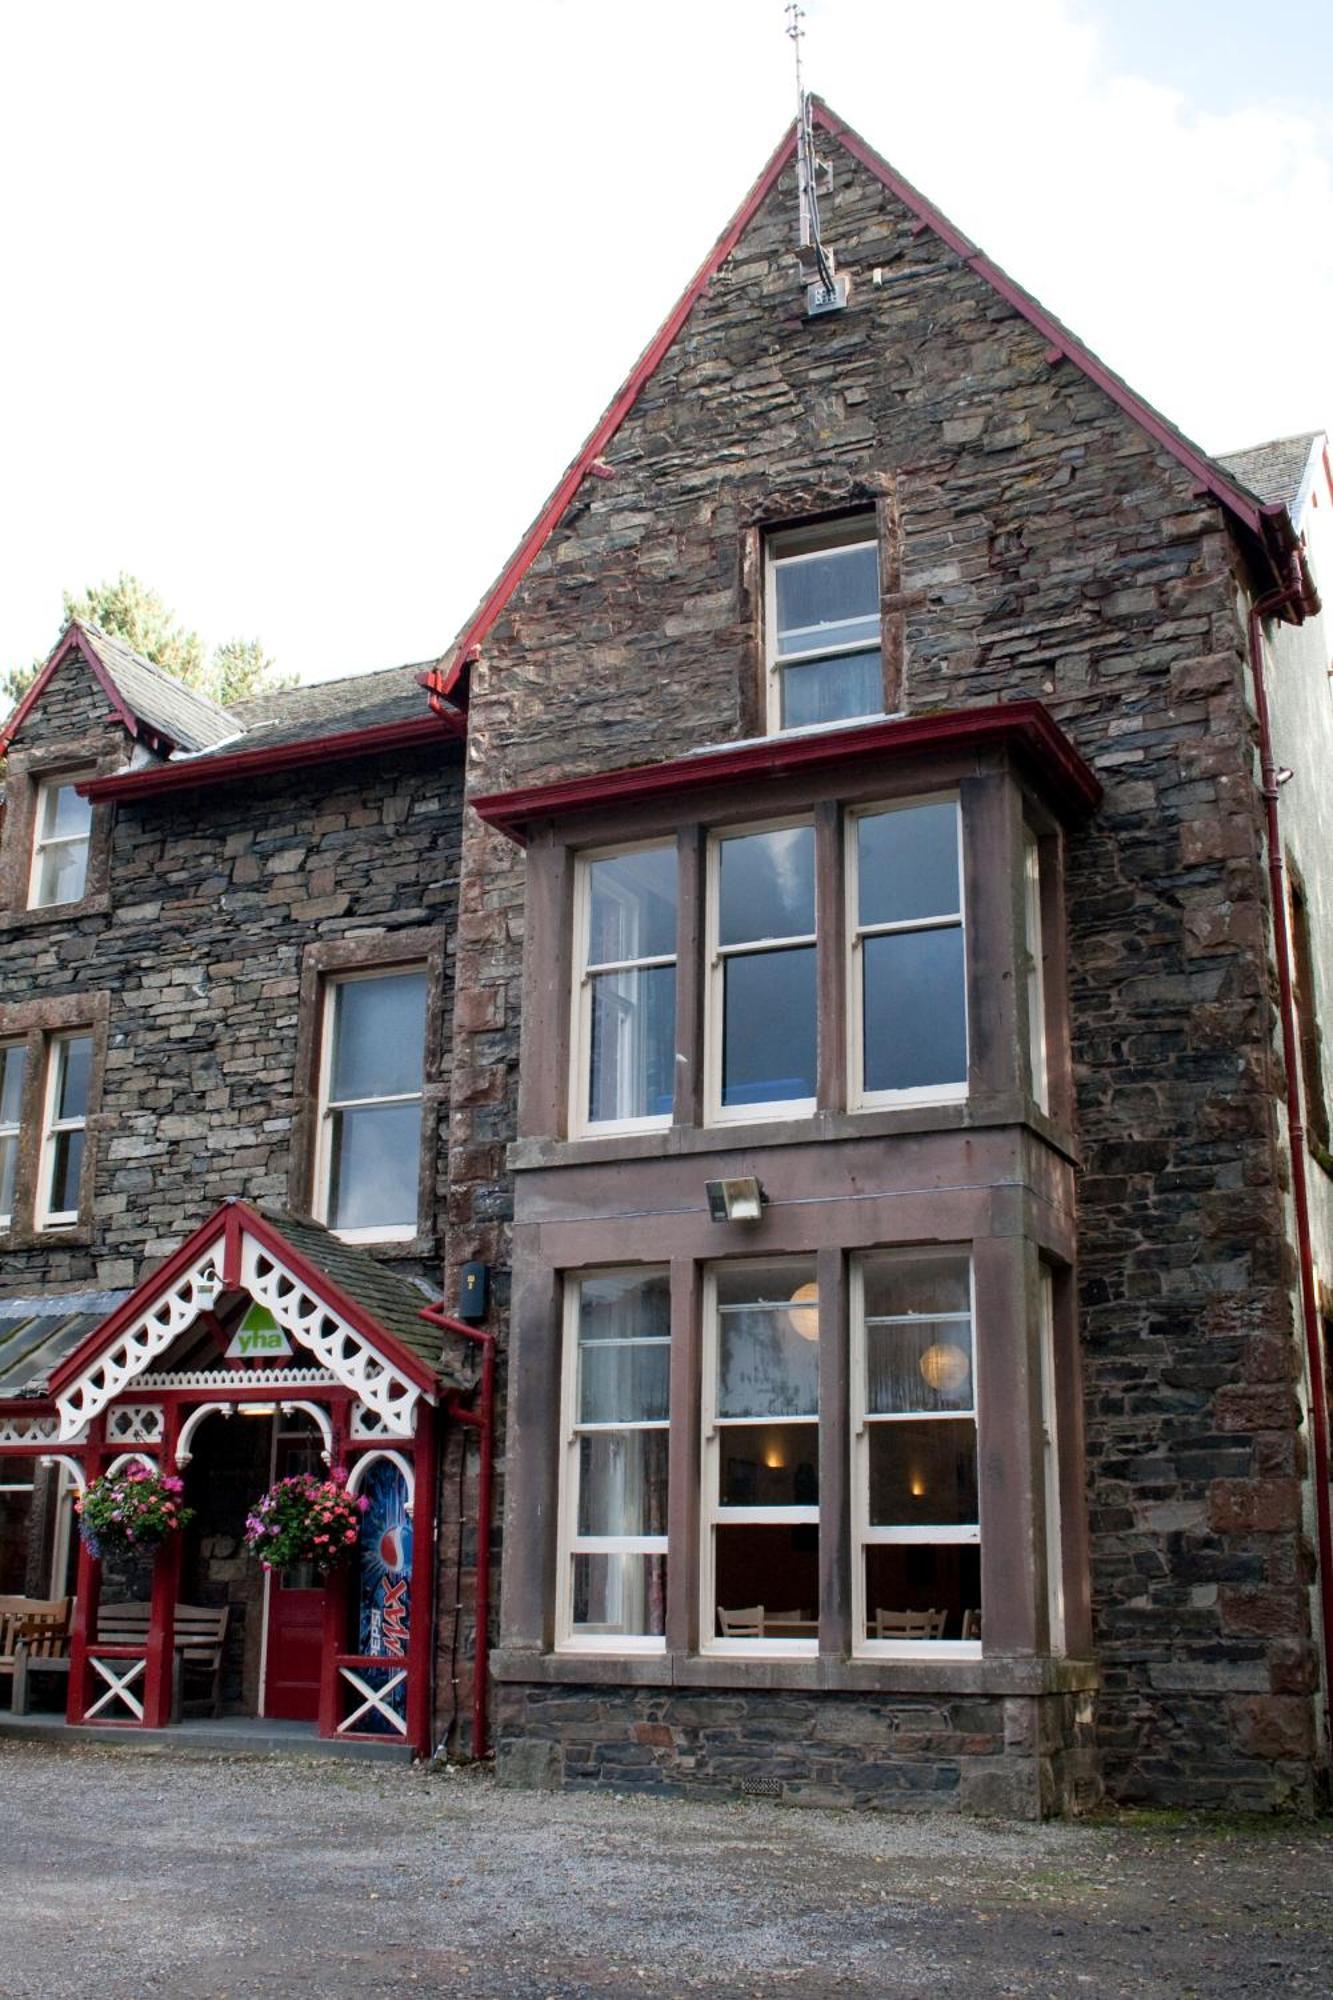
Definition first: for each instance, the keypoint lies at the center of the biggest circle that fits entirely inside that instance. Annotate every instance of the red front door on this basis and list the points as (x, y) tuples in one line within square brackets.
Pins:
[(295, 1610)]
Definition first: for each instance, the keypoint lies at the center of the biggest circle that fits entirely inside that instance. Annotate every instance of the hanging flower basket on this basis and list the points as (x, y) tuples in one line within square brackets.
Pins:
[(305, 1520), (131, 1512)]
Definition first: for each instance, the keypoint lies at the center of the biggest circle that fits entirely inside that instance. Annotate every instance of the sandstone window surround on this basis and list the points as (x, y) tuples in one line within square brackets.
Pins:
[(369, 1088), (824, 660), (52, 1058), (55, 849)]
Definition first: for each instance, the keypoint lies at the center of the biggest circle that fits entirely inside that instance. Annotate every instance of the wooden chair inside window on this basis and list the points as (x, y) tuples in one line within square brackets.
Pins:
[(746, 1624), (971, 1624), (910, 1624)]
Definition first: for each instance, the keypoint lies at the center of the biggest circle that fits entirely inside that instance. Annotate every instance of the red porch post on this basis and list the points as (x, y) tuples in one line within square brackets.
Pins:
[(87, 1592), (160, 1675), (335, 1597), (421, 1636)]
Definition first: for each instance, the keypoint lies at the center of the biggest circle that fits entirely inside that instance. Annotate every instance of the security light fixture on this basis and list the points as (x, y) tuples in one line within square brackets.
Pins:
[(740, 1200)]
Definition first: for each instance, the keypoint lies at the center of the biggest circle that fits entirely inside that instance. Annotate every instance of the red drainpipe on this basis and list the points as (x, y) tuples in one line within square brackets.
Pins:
[(482, 1420), (1299, 595)]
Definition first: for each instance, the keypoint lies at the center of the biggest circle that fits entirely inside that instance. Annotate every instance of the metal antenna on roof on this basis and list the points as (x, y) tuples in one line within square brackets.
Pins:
[(824, 291)]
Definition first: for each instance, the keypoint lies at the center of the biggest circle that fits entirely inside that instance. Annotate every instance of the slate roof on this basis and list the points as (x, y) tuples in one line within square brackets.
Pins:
[(36, 1334), (191, 720), (330, 708), (394, 1302), (1274, 471)]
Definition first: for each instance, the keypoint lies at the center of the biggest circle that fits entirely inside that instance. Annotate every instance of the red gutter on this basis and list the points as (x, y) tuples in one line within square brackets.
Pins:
[(1025, 724), (1301, 598), (482, 1420), (230, 767)]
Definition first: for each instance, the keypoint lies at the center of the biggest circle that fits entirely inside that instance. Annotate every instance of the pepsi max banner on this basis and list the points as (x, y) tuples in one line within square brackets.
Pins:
[(386, 1568)]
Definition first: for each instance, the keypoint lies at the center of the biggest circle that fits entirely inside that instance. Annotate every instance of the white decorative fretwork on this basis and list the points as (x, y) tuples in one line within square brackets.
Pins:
[(272, 1379), (135, 1423), (142, 1341), (29, 1430), (376, 1701), (320, 1418), (120, 1676), (192, 1423), (130, 1458), (341, 1348), (356, 1476), (368, 1423), (71, 1465)]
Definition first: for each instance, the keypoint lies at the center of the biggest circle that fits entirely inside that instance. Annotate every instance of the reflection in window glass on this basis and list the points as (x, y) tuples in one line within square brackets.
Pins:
[(766, 963), (13, 1070), (67, 1112), (825, 646), (372, 1110), (60, 844), (628, 986), (761, 1427), (614, 1499), (909, 939), (914, 1419)]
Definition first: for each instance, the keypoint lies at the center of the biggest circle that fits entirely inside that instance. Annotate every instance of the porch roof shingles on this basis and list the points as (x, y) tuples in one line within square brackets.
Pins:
[(394, 1302), (37, 1334)]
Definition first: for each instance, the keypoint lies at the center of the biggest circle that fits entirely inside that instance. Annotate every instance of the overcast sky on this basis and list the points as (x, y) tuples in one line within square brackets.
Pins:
[(306, 306)]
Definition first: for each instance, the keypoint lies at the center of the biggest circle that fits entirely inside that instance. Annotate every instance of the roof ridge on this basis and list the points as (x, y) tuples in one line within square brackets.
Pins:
[(154, 667)]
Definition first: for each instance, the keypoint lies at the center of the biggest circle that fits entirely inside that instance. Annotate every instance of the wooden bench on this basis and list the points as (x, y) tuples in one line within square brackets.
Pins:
[(201, 1639), (34, 1637)]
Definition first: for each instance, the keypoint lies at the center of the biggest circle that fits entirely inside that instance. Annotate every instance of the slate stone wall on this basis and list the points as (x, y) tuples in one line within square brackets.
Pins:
[(1048, 548)]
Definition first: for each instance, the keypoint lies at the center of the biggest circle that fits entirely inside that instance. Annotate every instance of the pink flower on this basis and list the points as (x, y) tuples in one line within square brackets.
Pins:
[(363, 1503), (350, 1536)]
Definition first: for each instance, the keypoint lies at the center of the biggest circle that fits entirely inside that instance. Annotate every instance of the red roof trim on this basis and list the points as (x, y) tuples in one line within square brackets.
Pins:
[(1254, 515), (403, 1360), (227, 767), (1268, 522), (74, 639), (443, 680), (1027, 725)]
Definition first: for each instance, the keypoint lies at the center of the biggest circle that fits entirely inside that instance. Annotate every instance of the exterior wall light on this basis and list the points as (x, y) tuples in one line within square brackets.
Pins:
[(740, 1200)]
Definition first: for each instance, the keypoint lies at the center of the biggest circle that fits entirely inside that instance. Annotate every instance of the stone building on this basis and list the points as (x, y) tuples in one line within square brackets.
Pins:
[(859, 888)]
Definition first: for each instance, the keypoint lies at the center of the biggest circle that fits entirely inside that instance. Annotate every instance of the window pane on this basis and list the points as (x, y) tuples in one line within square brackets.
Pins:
[(76, 1061), (831, 690), (931, 1282), (828, 599), (767, 886), (623, 1483), (768, 1343), (374, 1167), (379, 1039), (770, 1570), (9, 1153), (768, 1465), (907, 864), (922, 1365), (923, 1576), (620, 1594), (624, 1382), (13, 1068), (633, 1056), (66, 1166), (923, 1474), (768, 1027), (626, 1305), (915, 1028), (62, 874), (632, 906), (65, 815)]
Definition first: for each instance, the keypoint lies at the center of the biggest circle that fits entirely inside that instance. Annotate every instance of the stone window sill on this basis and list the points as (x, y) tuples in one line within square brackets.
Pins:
[(45, 1239), (55, 913), (1002, 1674)]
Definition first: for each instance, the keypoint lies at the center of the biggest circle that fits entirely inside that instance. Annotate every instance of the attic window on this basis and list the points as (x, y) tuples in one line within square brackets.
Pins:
[(62, 827), (825, 662)]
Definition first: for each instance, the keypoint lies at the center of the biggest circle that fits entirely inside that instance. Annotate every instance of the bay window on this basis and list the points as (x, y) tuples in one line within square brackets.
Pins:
[(625, 1035), (917, 1575), (371, 1090), (759, 1572), (64, 1129), (823, 624), (762, 999), (613, 1507), (1034, 970)]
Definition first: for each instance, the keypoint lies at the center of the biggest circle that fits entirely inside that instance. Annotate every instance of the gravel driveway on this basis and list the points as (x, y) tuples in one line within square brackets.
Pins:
[(123, 1876)]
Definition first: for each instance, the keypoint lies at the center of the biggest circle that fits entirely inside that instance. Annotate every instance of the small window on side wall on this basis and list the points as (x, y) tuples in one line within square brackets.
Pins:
[(13, 1074), (61, 832), (822, 624), (624, 1042), (64, 1130), (372, 1065)]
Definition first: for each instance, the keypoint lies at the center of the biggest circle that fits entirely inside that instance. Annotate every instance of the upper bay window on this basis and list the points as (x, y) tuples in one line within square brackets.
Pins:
[(61, 835), (823, 624), (625, 1038), (908, 991), (761, 1003), (370, 1105)]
